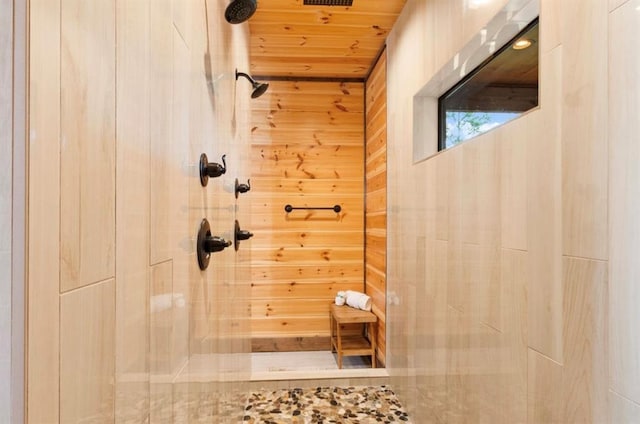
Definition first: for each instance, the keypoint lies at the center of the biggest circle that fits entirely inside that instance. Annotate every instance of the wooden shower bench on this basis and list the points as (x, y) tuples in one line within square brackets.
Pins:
[(352, 345)]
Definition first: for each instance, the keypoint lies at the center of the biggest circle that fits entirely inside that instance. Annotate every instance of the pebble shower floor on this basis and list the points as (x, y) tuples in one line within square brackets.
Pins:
[(325, 405)]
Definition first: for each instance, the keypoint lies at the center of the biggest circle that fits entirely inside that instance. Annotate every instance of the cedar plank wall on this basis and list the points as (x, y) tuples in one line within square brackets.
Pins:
[(307, 150), (376, 196)]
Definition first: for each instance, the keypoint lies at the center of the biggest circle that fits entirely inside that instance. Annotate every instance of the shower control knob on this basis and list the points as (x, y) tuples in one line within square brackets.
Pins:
[(208, 244), (211, 169), (215, 244), (240, 235), (242, 188)]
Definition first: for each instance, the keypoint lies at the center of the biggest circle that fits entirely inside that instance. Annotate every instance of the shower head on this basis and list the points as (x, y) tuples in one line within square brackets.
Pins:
[(239, 11), (259, 88)]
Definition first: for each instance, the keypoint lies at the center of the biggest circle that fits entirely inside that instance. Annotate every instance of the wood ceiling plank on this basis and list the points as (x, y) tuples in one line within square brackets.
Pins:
[(315, 88), (289, 39), (338, 67), (322, 19), (299, 29), (292, 51), (359, 6), (315, 41)]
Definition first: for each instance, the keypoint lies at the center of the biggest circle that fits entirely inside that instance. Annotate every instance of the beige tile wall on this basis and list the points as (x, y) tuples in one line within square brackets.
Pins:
[(124, 97), (624, 209), (43, 303), (132, 186), (6, 180), (523, 308)]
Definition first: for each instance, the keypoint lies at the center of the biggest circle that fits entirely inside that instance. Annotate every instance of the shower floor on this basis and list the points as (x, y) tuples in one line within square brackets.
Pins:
[(346, 405)]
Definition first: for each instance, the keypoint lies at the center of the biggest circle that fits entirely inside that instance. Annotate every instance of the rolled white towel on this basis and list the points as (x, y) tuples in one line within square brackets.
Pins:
[(358, 300)]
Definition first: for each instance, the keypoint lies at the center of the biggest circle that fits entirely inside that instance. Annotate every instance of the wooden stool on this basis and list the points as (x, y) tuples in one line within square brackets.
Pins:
[(352, 345)]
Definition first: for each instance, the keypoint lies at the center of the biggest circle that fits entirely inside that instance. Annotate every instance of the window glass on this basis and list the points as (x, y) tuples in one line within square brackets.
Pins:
[(499, 90)]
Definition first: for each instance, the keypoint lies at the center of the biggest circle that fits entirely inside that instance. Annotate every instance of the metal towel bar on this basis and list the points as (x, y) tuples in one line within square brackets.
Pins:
[(335, 208)]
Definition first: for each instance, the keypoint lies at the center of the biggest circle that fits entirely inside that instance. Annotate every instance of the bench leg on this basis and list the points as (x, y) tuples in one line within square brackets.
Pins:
[(339, 339), (373, 334), (331, 332)]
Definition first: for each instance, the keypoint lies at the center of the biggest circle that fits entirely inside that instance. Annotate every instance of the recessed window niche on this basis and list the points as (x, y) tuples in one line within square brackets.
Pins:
[(515, 17)]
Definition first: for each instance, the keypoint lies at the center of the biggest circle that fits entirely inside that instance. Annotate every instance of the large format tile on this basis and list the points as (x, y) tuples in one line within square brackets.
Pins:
[(544, 213), (160, 92), (544, 390), (622, 410), (585, 379), (613, 4), (624, 205), (87, 131), (552, 14), (44, 213), (132, 211), (87, 352), (513, 363), (513, 183), (584, 130)]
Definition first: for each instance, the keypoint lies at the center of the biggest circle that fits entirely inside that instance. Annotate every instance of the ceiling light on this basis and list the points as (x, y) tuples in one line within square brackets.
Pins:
[(522, 44)]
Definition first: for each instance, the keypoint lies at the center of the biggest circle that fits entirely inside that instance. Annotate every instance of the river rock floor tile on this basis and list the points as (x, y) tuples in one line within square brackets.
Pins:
[(325, 405)]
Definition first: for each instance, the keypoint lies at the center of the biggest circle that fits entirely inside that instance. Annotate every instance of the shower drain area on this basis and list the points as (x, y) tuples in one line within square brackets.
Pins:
[(346, 405)]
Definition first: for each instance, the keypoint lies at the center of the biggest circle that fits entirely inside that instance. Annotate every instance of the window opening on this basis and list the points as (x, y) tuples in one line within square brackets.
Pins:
[(500, 89)]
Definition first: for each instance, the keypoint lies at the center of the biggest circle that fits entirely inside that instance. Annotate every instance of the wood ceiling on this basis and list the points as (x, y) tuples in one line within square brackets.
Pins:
[(290, 39)]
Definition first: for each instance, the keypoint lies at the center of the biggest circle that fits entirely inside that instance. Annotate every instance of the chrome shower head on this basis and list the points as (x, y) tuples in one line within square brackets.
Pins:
[(239, 11), (259, 88)]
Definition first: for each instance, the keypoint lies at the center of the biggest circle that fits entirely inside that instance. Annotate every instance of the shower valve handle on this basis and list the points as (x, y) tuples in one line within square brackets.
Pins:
[(215, 244), (244, 235), (240, 235), (211, 169), (207, 244), (242, 188)]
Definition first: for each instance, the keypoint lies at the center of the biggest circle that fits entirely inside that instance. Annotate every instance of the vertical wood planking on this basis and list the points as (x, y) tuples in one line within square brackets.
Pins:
[(376, 186), (458, 293), (160, 86), (514, 340), (480, 216), (584, 378), (161, 358), (622, 410), (87, 353), (132, 210), (513, 185), (180, 226), (87, 131), (458, 364), (544, 389), (480, 220), (624, 189), (43, 325), (551, 25), (180, 15), (584, 130), (544, 224)]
